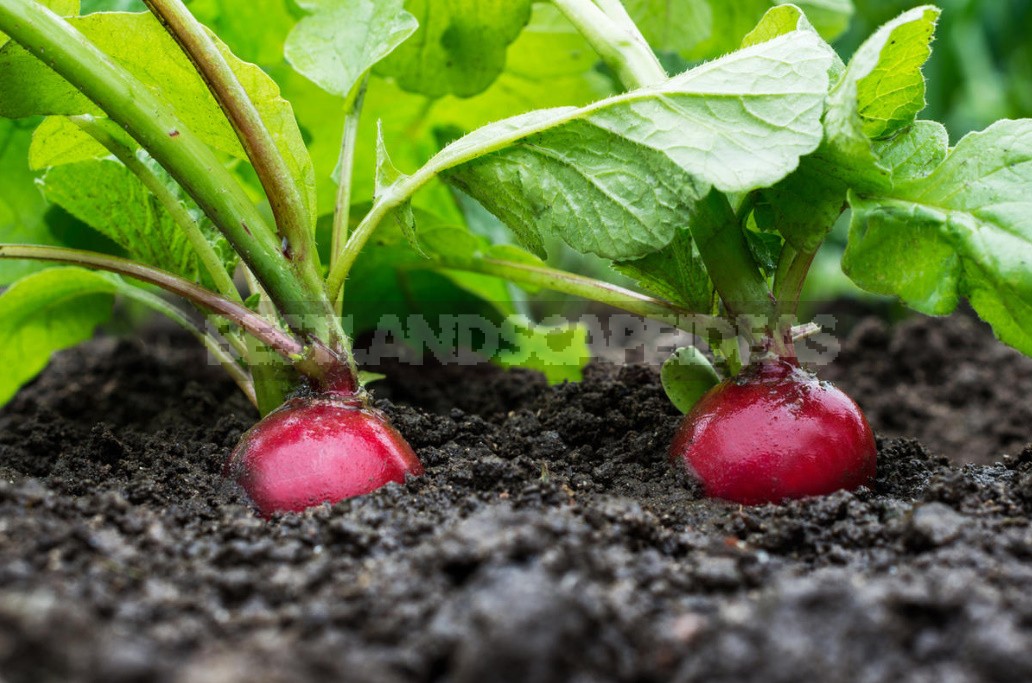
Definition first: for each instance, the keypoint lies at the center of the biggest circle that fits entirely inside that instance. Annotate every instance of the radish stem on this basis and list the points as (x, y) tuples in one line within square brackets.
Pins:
[(292, 217), (346, 166), (630, 58)]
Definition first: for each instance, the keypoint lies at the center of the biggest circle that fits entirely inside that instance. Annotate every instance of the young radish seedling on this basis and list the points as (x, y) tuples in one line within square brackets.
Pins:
[(712, 189)]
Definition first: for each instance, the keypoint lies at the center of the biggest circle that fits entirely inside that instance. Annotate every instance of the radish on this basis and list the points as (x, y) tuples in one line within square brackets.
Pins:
[(773, 432), (315, 449)]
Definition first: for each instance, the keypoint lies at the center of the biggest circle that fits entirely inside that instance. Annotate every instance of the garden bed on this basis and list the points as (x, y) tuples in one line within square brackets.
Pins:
[(548, 541)]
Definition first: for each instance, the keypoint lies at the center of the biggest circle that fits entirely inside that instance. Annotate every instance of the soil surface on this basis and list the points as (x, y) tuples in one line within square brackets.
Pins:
[(548, 541)]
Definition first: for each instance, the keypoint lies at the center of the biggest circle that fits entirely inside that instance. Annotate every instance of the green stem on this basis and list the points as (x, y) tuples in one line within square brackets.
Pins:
[(157, 129), (272, 377), (728, 260), (789, 279), (346, 257), (793, 267), (622, 49), (580, 286), (111, 138), (239, 315), (292, 217), (617, 13), (346, 166)]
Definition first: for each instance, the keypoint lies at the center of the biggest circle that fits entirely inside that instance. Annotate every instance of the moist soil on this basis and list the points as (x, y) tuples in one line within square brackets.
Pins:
[(548, 541)]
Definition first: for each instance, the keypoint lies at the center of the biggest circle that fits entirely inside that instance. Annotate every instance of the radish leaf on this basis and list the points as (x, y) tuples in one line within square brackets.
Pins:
[(675, 273), (459, 47), (686, 376), (880, 92), (106, 195), (963, 230), (916, 152), (58, 141), (616, 178), (46, 312), (22, 207), (877, 95), (703, 29), (342, 39)]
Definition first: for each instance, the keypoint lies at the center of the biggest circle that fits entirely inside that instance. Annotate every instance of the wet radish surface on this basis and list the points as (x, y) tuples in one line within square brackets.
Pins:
[(548, 541)]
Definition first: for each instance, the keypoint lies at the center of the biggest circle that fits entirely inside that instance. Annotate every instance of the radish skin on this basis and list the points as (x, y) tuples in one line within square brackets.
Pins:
[(319, 449), (775, 432)]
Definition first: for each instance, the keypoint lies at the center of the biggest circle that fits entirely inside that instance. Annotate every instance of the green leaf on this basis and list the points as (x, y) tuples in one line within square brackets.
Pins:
[(342, 39), (616, 178), (137, 42), (559, 351), (963, 230), (880, 92), (45, 312), (830, 17), (391, 278), (915, 152), (704, 29), (459, 47), (255, 30), (22, 206), (891, 91), (686, 376), (878, 95), (106, 195), (776, 22), (386, 175), (58, 141), (394, 286), (805, 205), (675, 273), (549, 64)]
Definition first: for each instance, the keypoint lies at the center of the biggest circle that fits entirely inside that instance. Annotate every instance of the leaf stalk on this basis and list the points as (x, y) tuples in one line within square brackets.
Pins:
[(346, 166), (621, 48), (288, 208)]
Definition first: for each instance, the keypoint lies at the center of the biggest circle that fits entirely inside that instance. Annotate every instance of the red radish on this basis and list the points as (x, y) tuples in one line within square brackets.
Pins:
[(316, 449), (775, 432)]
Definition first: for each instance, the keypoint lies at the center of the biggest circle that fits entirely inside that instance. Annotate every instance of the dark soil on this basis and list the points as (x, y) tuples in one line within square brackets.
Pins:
[(548, 541)]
